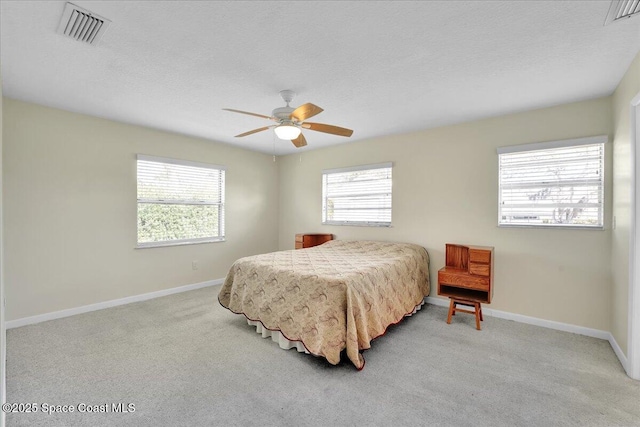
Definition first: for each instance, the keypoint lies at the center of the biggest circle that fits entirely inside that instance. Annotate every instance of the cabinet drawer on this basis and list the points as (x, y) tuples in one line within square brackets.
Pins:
[(464, 280), (479, 269), (479, 255), (299, 245), (299, 237)]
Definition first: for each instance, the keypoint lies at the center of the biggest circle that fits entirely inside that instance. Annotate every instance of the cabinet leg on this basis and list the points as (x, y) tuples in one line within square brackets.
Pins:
[(451, 311), (477, 307)]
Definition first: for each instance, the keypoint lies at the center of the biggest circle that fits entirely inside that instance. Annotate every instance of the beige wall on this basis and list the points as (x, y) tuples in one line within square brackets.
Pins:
[(70, 210), (445, 189), (628, 88)]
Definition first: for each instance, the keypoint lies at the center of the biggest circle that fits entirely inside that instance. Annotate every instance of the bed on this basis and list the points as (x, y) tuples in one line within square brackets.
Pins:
[(336, 296)]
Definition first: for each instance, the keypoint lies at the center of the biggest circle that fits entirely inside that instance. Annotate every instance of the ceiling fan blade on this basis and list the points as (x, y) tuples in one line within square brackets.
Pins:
[(305, 111), (253, 131), (246, 112), (320, 127), (300, 141)]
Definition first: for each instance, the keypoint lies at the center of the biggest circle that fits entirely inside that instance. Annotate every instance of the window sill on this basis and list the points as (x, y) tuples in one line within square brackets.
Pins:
[(166, 244), (357, 224), (559, 227)]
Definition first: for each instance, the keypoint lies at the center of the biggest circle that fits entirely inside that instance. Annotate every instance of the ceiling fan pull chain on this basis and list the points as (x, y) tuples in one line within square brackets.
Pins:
[(273, 139)]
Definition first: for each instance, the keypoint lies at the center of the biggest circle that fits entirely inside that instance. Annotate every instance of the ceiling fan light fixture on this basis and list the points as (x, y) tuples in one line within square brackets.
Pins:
[(287, 132)]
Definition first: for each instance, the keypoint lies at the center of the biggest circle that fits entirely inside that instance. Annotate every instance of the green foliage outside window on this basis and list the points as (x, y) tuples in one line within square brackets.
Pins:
[(159, 222)]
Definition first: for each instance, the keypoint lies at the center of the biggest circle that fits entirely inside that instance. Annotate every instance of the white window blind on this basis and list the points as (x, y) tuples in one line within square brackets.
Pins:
[(552, 184), (179, 201), (359, 195)]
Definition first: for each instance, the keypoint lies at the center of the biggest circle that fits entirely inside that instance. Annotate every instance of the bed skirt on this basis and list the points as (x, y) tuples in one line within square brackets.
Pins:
[(285, 344)]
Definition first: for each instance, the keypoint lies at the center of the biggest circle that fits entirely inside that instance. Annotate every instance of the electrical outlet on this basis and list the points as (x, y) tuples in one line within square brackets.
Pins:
[(194, 265)]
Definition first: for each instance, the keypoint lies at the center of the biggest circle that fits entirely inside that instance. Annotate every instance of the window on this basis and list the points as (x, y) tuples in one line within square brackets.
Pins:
[(179, 202), (359, 195), (552, 184)]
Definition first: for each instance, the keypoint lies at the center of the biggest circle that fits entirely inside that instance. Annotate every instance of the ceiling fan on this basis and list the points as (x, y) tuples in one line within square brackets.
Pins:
[(290, 121)]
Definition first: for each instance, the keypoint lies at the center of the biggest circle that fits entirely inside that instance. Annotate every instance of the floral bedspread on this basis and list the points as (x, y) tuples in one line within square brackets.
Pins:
[(341, 294)]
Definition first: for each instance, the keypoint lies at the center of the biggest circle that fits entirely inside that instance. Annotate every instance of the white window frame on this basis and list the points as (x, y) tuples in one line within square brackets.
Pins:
[(325, 172), (190, 241), (601, 139)]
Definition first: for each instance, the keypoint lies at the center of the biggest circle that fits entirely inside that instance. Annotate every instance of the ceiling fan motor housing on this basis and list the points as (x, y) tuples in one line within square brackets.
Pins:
[(282, 113)]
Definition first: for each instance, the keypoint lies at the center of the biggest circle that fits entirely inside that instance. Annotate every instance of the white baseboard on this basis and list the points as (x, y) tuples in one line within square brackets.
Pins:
[(618, 351), (551, 324), (106, 304)]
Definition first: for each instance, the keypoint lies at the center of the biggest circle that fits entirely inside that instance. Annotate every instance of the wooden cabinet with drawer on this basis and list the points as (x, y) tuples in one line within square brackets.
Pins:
[(468, 273), (310, 240)]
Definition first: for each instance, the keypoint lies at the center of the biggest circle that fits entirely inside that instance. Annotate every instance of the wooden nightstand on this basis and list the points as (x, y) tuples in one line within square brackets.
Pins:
[(467, 278), (309, 240)]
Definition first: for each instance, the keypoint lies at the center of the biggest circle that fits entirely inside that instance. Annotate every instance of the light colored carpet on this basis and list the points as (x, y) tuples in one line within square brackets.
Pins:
[(185, 361)]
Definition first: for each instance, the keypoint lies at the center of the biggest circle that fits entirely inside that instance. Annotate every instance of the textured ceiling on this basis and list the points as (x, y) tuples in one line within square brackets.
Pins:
[(379, 68)]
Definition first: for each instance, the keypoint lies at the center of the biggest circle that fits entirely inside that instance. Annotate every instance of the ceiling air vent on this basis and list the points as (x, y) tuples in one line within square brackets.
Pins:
[(621, 9), (82, 25)]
